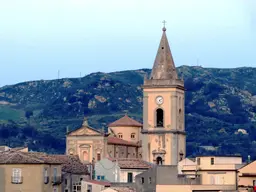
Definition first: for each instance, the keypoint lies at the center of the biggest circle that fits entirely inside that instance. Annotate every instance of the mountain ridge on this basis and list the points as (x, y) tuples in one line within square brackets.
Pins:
[(218, 103)]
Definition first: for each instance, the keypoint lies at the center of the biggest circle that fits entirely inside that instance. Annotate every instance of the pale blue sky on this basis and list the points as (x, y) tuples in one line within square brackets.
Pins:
[(38, 38)]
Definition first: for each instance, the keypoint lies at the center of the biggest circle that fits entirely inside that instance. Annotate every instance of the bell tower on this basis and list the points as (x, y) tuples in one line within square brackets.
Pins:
[(163, 133)]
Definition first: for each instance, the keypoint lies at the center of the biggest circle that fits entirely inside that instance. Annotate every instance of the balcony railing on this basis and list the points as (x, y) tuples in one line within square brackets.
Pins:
[(46, 179), (56, 180), (17, 180)]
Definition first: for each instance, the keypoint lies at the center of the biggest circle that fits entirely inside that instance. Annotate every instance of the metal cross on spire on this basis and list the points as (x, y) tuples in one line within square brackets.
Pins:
[(164, 22), (164, 29)]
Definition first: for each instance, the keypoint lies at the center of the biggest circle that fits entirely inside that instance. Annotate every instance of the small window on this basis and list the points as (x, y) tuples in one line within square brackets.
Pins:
[(120, 135), (66, 181), (149, 180), (46, 178), (98, 177), (130, 178), (142, 180), (133, 136), (198, 161), (55, 174), (212, 161), (98, 157), (16, 176), (102, 177), (89, 188)]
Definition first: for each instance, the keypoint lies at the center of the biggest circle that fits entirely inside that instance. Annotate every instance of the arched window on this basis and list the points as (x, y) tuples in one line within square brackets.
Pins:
[(133, 136), (98, 156), (159, 161), (120, 135), (159, 118), (85, 156)]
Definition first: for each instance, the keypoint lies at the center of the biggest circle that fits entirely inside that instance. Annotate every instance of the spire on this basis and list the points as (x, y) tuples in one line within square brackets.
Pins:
[(164, 67)]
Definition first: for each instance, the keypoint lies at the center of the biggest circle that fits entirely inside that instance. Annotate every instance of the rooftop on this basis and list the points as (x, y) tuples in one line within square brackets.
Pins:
[(103, 183), (70, 164), (220, 156), (125, 121), (17, 157), (123, 189), (125, 163), (118, 141)]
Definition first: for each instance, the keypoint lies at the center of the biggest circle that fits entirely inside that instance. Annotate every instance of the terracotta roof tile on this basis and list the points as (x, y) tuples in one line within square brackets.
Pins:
[(125, 163), (123, 189), (71, 164), (104, 183), (118, 141), (17, 157), (125, 121)]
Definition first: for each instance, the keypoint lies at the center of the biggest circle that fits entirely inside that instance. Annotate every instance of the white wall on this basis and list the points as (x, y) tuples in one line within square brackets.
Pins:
[(107, 168), (184, 162), (95, 187), (124, 174)]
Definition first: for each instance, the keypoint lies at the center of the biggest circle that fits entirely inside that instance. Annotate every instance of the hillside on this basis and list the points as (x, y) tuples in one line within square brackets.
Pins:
[(219, 102)]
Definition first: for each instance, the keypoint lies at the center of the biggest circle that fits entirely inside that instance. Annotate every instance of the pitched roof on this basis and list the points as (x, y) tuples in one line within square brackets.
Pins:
[(126, 163), (71, 164), (104, 183), (85, 125), (17, 157), (125, 121), (164, 67), (123, 189), (118, 141)]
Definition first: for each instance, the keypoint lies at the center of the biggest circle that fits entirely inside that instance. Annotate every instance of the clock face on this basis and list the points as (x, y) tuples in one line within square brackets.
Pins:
[(159, 100)]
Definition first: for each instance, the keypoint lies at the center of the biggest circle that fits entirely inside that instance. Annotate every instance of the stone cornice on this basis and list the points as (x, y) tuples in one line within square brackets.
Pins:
[(155, 131)]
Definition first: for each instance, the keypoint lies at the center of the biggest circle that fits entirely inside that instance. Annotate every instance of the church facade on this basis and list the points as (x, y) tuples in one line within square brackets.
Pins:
[(160, 140), (91, 145)]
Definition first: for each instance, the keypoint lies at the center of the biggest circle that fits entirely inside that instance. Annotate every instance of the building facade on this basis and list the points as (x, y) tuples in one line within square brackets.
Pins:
[(94, 186), (166, 178), (163, 134), (22, 171), (215, 170), (120, 170), (91, 145), (247, 177)]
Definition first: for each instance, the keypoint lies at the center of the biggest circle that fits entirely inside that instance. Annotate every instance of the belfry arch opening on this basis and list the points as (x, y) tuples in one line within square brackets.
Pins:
[(159, 161), (159, 118)]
